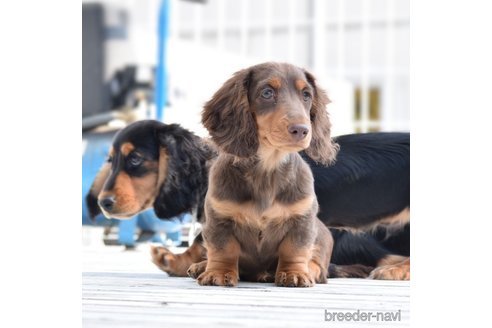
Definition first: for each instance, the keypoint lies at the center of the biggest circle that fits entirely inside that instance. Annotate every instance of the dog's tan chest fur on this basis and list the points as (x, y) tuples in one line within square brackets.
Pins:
[(252, 214)]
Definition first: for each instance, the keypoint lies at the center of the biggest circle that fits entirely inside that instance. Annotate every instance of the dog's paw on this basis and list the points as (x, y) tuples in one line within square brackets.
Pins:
[(391, 272), (197, 269), (218, 278), (293, 279), (265, 277), (167, 261)]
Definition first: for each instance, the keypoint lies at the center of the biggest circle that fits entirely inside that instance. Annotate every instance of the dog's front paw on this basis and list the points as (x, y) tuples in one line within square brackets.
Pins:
[(293, 279), (265, 277), (172, 264), (218, 278), (197, 269)]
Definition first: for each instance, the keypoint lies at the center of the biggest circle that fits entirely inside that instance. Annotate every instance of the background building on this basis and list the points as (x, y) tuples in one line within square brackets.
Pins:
[(358, 49)]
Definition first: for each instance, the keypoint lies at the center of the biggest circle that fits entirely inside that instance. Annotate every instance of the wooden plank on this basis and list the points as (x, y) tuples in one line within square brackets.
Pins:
[(124, 289)]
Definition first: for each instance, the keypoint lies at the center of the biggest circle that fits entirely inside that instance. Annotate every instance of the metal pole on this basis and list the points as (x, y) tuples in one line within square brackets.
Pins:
[(161, 82)]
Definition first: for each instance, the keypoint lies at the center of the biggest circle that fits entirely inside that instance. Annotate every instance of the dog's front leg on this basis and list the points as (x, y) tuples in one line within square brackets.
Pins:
[(295, 252), (223, 252)]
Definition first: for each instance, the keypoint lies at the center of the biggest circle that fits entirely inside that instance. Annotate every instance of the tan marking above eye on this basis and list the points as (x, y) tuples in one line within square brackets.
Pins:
[(127, 148), (275, 82), (300, 85)]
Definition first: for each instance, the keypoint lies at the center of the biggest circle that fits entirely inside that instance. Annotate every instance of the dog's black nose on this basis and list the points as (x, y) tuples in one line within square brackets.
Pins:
[(107, 203), (298, 131)]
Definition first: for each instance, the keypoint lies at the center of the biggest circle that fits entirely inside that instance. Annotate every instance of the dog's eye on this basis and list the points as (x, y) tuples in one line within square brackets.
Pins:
[(267, 93), (306, 95), (135, 160), (109, 159)]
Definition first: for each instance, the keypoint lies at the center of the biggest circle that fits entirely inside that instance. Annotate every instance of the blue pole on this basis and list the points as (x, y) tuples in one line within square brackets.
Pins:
[(161, 83)]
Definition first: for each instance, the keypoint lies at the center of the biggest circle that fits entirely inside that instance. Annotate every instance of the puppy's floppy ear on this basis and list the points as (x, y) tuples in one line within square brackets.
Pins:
[(228, 118), (182, 160), (322, 148), (97, 185)]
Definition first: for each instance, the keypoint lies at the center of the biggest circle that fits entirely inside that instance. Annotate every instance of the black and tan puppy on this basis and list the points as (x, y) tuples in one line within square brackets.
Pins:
[(154, 165), (261, 208)]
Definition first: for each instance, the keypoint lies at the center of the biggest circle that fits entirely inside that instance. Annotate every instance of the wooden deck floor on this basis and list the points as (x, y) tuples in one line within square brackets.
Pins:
[(124, 289)]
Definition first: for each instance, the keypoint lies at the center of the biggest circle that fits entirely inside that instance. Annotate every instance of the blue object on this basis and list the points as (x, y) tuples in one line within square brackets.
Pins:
[(95, 152), (126, 231), (149, 222), (161, 82)]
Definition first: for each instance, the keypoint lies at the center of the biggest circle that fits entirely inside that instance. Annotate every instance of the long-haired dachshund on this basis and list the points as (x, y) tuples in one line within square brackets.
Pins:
[(261, 210)]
